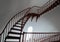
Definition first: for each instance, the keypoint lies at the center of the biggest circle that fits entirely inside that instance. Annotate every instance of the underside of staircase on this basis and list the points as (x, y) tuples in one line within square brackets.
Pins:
[(14, 35)]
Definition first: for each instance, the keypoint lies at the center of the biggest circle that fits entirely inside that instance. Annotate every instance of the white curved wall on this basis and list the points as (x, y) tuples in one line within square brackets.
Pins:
[(49, 22)]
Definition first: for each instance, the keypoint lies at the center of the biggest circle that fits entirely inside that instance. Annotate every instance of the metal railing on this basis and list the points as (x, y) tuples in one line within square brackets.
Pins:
[(18, 16), (40, 36)]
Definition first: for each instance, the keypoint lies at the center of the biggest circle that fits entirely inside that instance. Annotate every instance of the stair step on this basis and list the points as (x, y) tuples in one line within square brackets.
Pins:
[(11, 37), (16, 31), (20, 22), (18, 25), (14, 35), (12, 40), (17, 28)]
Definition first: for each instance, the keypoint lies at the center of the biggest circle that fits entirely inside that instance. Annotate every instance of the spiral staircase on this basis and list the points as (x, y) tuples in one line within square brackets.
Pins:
[(15, 32), (14, 28)]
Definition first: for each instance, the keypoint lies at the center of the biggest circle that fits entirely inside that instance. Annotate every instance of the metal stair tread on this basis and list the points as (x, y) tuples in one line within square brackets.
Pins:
[(9, 40), (15, 29), (16, 26), (20, 23), (11, 37), (20, 20), (12, 41), (14, 33)]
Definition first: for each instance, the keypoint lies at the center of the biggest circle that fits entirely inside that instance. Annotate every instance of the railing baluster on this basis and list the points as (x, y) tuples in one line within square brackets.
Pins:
[(41, 37)]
